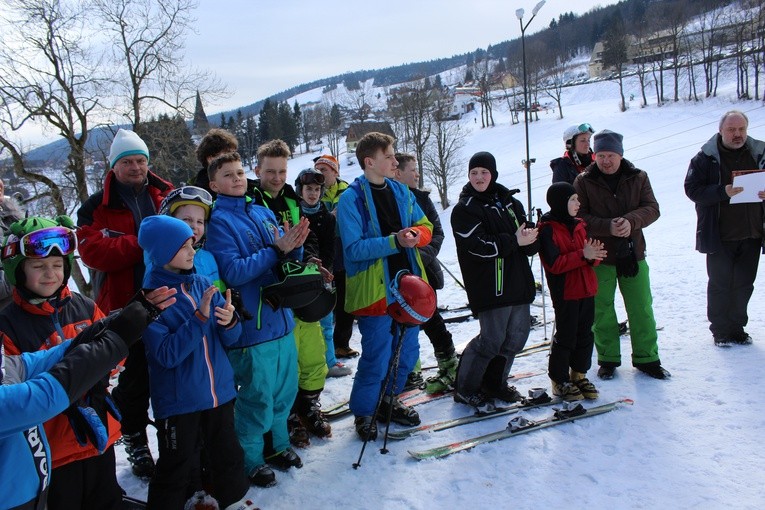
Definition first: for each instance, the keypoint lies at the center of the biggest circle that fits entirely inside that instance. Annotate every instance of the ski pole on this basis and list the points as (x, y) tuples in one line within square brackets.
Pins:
[(451, 274), (395, 358), (542, 278)]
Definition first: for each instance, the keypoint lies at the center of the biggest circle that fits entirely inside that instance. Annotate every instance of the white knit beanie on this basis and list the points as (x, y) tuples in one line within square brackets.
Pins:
[(126, 143)]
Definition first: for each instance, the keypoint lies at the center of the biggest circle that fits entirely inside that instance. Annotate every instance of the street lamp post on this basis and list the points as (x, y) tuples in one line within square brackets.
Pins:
[(528, 161)]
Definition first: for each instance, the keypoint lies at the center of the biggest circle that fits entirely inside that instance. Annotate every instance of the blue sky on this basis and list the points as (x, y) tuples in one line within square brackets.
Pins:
[(259, 48)]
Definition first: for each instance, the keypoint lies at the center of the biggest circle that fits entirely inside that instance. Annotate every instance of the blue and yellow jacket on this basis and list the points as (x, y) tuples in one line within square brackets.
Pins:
[(240, 236), (188, 367), (365, 247)]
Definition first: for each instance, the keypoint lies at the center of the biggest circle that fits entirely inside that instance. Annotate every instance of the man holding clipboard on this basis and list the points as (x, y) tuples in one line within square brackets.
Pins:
[(726, 181)]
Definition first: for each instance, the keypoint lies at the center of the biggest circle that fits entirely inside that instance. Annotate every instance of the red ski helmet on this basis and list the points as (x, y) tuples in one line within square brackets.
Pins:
[(414, 300)]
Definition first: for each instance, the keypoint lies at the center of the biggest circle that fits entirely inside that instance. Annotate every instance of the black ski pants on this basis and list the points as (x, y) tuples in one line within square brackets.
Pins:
[(732, 271), (87, 484), (573, 341), (179, 439), (132, 392)]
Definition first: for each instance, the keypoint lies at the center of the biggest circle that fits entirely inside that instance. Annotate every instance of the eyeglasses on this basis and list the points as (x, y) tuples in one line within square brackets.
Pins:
[(40, 243), (583, 128), (312, 178)]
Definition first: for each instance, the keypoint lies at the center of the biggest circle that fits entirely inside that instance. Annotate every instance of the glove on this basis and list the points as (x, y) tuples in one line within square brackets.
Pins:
[(88, 416), (626, 261), (236, 300), (87, 425), (132, 320)]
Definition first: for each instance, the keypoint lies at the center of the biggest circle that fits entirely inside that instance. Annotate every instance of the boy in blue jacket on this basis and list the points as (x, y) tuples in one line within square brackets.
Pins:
[(248, 244), (191, 380)]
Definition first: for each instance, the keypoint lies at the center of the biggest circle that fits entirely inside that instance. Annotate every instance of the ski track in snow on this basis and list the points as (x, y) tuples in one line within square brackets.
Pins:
[(694, 441)]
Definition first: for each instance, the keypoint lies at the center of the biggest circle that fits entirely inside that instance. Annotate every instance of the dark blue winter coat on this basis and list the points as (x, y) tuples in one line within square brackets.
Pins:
[(188, 367), (704, 186), (28, 397)]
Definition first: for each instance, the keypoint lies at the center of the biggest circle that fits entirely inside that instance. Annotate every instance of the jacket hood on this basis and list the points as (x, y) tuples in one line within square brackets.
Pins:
[(756, 147)]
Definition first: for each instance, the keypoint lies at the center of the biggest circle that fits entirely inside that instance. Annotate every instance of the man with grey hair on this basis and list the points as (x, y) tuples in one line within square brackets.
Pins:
[(731, 235)]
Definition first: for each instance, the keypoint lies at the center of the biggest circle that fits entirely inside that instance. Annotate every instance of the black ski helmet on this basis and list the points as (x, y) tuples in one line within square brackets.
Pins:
[(319, 307), (299, 285)]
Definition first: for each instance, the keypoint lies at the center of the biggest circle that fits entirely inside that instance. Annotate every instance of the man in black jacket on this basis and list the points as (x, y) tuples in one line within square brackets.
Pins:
[(434, 328), (731, 234)]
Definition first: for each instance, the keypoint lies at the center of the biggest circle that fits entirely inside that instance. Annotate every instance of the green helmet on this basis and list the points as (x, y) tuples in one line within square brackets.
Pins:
[(56, 237)]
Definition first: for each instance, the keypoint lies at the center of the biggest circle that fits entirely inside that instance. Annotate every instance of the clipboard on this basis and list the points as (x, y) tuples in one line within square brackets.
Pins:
[(753, 181)]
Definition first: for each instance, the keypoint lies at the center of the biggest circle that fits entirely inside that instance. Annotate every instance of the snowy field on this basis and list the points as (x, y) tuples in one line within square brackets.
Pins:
[(694, 441)]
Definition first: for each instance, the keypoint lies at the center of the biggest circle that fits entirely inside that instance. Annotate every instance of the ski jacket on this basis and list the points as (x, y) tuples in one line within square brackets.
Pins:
[(332, 194), (286, 208), (704, 186), (240, 236), (323, 224), (108, 241), (565, 168), (188, 367), (28, 327), (28, 397), (494, 267), (569, 275), (366, 248), (429, 253), (634, 201)]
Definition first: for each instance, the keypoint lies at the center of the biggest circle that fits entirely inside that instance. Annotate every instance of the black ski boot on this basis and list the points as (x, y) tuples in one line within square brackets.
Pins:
[(401, 413), (297, 431), (309, 411), (138, 454), (366, 428), (285, 459)]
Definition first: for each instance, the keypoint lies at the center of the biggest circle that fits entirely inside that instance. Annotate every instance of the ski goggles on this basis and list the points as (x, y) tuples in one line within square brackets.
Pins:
[(583, 128), (312, 178), (40, 243), (191, 193)]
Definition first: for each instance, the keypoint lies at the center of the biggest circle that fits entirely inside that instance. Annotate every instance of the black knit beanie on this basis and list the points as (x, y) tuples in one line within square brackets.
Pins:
[(484, 160), (557, 198)]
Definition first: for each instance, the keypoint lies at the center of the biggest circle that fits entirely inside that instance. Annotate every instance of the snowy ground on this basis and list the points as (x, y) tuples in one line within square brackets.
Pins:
[(694, 441)]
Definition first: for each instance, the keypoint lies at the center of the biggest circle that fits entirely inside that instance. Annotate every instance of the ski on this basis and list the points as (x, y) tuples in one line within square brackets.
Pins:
[(414, 397), (543, 400), (130, 503), (417, 397), (518, 425)]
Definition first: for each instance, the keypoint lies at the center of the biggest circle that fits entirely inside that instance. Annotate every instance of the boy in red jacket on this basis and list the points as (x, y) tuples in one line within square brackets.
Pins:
[(568, 257)]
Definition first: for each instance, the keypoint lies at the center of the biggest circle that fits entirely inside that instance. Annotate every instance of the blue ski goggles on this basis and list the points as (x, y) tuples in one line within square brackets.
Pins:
[(40, 243)]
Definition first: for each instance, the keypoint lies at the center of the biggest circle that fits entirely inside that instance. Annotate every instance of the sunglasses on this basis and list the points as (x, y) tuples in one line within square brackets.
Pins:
[(40, 243), (312, 178)]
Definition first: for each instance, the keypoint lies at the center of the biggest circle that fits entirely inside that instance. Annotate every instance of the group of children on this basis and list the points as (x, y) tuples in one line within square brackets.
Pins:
[(230, 396)]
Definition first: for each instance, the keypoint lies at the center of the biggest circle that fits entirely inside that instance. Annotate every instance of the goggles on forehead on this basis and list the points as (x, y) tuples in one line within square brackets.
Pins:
[(40, 243), (583, 128), (191, 193), (312, 178)]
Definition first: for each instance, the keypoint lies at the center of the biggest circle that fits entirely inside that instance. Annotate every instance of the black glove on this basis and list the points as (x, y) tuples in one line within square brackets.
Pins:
[(236, 300), (626, 261), (132, 320)]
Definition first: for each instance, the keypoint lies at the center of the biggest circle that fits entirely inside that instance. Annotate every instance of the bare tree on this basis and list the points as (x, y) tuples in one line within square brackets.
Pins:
[(413, 105), (554, 89), (615, 52), (443, 162), (49, 74), (148, 39)]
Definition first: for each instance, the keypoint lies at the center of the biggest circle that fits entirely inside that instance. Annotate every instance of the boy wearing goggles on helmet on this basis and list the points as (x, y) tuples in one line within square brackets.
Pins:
[(37, 260)]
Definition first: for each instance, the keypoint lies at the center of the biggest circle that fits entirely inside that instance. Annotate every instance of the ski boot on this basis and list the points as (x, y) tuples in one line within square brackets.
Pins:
[(589, 391), (138, 454), (400, 413), (309, 411), (447, 374), (298, 433)]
